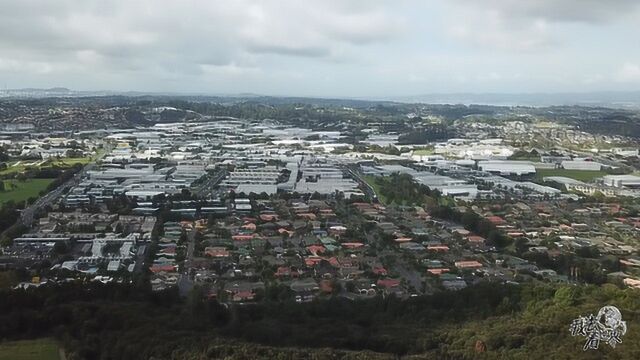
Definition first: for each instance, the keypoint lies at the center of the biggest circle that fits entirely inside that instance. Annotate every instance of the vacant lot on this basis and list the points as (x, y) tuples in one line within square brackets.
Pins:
[(22, 190), (581, 175), (41, 349)]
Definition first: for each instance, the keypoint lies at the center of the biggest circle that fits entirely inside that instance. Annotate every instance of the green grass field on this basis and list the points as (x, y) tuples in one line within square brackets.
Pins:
[(40, 349), (532, 158), (423, 152), (371, 180), (18, 166), (14, 167), (22, 190), (581, 175), (71, 161)]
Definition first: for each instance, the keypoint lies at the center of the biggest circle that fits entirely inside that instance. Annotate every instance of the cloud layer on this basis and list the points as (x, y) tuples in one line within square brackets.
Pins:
[(318, 47)]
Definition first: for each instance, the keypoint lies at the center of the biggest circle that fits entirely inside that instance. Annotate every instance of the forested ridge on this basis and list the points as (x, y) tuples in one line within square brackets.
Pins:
[(489, 320)]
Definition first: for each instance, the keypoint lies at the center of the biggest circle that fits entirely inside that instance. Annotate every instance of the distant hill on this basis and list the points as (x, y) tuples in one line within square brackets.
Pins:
[(610, 99), (618, 99)]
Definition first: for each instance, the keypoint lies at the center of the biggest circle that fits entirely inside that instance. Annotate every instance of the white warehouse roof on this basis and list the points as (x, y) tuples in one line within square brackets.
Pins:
[(507, 167)]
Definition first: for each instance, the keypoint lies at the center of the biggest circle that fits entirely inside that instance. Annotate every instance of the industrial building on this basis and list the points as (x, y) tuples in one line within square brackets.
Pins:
[(508, 168), (622, 181)]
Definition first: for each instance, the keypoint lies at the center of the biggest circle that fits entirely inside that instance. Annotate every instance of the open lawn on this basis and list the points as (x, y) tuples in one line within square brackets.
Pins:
[(371, 180), (423, 152), (70, 161), (580, 175), (22, 190), (14, 167), (521, 157), (40, 349), (19, 166)]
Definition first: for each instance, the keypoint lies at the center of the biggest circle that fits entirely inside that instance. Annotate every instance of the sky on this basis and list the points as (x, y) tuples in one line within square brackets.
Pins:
[(327, 48)]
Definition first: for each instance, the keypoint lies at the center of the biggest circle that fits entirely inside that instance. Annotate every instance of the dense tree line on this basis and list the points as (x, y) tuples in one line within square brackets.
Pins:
[(426, 135), (62, 176), (9, 214), (404, 190), (474, 223), (115, 321)]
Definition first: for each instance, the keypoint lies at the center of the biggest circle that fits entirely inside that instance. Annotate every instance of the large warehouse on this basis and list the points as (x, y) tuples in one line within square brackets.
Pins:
[(581, 165), (508, 168), (622, 181)]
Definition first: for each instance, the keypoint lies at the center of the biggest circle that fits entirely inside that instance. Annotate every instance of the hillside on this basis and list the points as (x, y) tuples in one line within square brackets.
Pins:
[(488, 321)]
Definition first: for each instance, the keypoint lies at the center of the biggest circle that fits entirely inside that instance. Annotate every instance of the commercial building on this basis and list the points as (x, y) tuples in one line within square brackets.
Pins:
[(622, 181), (508, 168), (581, 165)]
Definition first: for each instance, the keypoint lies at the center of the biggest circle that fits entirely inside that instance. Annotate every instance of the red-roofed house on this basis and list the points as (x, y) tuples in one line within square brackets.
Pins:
[(352, 245), (162, 268), (316, 249), (269, 217), (388, 283), (327, 213), (438, 248), (167, 251), (312, 260), (283, 231), (243, 296), (241, 237), (469, 264), (379, 270), (476, 239), (217, 252), (286, 271), (249, 226), (333, 261), (496, 220), (315, 260), (307, 216), (438, 271)]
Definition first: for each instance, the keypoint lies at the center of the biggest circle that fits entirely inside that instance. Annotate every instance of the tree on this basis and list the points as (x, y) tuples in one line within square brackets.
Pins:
[(521, 245), (566, 295), (498, 240), (60, 248)]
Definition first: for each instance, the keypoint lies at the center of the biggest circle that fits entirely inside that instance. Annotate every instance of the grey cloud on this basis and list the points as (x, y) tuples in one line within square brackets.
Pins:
[(330, 46), (588, 11), (303, 51), (179, 36), (527, 26)]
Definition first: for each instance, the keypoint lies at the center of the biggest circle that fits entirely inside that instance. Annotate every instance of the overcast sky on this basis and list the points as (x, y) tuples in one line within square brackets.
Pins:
[(365, 48)]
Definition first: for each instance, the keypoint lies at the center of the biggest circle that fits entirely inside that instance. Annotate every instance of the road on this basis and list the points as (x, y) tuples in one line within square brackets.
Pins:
[(185, 283), (366, 187), (206, 188), (27, 215), (140, 258)]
